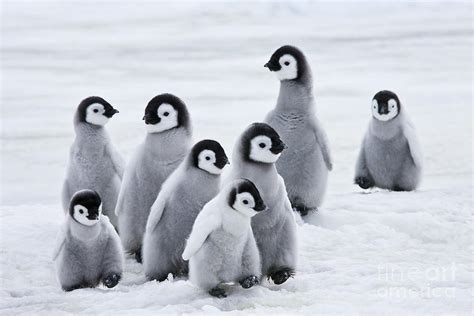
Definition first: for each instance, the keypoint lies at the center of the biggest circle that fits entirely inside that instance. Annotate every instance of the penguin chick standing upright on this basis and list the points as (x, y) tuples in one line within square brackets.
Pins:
[(254, 157), (221, 247), (89, 249), (166, 144), (305, 164), (94, 163), (182, 196), (390, 157)]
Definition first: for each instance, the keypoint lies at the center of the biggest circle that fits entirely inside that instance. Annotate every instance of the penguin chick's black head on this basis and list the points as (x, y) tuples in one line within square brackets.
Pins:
[(89, 202), (247, 186), (385, 105), (103, 108), (208, 153), (282, 61), (260, 142), (151, 111)]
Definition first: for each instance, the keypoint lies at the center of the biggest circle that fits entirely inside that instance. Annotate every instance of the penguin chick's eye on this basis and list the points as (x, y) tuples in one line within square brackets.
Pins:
[(208, 158), (287, 63), (245, 202), (96, 110), (262, 145), (81, 211), (166, 114)]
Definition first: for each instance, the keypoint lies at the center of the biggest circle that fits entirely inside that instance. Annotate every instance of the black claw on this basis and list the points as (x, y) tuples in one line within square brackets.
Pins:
[(249, 281), (218, 292), (364, 182), (111, 280), (280, 276)]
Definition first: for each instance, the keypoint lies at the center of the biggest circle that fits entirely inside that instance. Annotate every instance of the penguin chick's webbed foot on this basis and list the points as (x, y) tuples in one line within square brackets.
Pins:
[(280, 276), (74, 287), (218, 292), (111, 280), (249, 281), (364, 182), (398, 189)]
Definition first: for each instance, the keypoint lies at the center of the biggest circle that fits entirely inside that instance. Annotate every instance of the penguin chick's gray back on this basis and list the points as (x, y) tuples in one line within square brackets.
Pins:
[(172, 215), (94, 163), (167, 142), (305, 164), (390, 156), (88, 249), (221, 247), (274, 230)]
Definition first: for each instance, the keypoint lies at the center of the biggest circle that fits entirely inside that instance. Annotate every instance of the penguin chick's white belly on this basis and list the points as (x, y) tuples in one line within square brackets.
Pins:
[(220, 254), (95, 172), (301, 165), (82, 260), (167, 241), (386, 159)]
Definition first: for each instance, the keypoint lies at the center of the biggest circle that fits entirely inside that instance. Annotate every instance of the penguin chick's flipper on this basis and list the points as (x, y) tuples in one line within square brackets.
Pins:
[(112, 280), (249, 281), (364, 183), (280, 276), (217, 292)]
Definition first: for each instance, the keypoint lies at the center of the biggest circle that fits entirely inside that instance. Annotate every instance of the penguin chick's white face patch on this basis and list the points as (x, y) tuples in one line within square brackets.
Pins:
[(81, 213), (289, 68), (387, 112), (95, 114), (260, 150), (207, 160), (168, 119), (244, 203)]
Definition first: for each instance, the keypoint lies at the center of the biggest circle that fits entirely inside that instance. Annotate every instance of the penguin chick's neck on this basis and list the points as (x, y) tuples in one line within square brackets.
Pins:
[(170, 145), (83, 232), (234, 221), (386, 130), (87, 129), (296, 95)]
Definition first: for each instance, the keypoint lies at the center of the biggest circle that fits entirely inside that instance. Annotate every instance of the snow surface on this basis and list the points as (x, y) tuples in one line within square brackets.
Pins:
[(375, 252)]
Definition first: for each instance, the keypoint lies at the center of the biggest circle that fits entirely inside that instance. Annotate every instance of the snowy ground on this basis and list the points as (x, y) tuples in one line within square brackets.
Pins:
[(366, 252)]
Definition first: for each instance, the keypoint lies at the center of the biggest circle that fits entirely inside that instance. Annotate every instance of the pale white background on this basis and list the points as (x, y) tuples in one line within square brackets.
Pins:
[(211, 55)]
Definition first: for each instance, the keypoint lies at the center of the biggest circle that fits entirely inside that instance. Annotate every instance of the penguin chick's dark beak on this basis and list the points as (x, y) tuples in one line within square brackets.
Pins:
[(260, 207), (278, 148), (150, 120), (272, 67), (111, 113), (220, 163), (383, 109)]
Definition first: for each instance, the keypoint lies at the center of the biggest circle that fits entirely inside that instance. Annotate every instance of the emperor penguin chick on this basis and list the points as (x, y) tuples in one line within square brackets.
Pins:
[(182, 196), (305, 164), (89, 250), (94, 163), (221, 247), (254, 157), (390, 157), (166, 144)]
